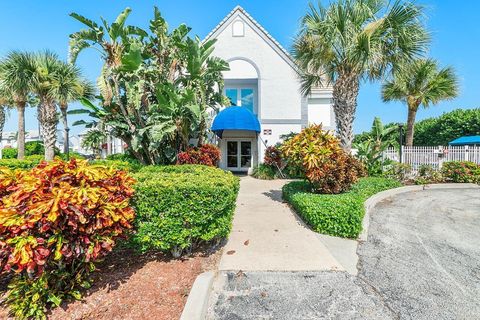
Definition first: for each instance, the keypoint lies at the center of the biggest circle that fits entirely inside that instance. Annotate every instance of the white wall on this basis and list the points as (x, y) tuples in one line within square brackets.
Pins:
[(279, 95), (320, 111), (274, 138)]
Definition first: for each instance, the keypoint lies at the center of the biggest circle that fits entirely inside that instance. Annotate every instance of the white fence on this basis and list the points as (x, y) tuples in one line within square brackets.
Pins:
[(433, 156)]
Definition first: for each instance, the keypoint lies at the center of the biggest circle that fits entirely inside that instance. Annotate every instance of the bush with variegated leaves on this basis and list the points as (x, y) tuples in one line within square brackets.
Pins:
[(327, 167), (55, 222)]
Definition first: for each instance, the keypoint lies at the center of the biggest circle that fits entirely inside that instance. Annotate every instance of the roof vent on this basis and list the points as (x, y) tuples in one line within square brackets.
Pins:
[(238, 28)]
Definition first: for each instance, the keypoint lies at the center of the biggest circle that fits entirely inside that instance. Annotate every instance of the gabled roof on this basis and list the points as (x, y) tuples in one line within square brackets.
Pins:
[(238, 11)]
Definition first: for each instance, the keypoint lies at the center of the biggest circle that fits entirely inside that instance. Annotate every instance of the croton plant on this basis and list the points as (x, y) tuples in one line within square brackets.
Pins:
[(61, 215)]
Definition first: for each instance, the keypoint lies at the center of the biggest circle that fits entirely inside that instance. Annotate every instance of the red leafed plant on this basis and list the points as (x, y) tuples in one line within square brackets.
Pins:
[(273, 157), (208, 155), (327, 167), (57, 219)]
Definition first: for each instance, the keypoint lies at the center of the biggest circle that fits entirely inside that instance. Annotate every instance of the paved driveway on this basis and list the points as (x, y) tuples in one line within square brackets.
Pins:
[(423, 254), (421, 261)]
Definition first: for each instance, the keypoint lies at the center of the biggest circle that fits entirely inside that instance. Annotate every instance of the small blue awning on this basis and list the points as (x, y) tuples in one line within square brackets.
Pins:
[(466, 140), (235, 118)]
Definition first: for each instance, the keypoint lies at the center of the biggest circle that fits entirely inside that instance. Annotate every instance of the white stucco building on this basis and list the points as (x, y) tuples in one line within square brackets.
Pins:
[(262, 78)]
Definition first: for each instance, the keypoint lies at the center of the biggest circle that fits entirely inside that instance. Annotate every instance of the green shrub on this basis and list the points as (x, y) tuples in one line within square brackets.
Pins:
[(397, 171), (119, 165), (9, 153), (27, 163), (447, 127), (180, 206), (338, 214), (264, 172), (427, 174), (34, 148), (461, 172)]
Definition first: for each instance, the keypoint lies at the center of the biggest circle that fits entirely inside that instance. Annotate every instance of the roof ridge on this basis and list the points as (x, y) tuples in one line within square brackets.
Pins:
[(256, 23)]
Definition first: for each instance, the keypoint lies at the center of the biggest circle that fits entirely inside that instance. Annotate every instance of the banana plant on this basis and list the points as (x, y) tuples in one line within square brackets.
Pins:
[(203, 74), (371, 150)]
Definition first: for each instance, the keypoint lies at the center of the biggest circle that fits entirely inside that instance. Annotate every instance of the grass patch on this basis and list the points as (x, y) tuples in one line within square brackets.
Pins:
[(337, 215)]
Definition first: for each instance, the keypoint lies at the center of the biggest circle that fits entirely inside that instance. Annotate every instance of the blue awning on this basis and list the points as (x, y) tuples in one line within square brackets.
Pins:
[(235, 118), (467, 140)]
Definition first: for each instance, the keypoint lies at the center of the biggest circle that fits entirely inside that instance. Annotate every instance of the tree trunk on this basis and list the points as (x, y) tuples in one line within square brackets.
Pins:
[(412, 113), (201, 132), (21, 129), (63, 109), (48, 118), (2, 122), (345, 93)]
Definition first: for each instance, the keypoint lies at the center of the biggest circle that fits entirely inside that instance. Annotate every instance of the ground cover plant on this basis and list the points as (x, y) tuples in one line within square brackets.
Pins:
[(56, 221), (338, 215), (180, 207)]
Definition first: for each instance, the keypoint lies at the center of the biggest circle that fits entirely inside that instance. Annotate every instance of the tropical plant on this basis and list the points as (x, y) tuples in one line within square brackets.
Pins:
[(352, 40), (155, 87), (47, 66), (327, 167), (370, 152), (420, 83), (204, 77), (56, 221), (93, 140), (16, 81), (70, 87)]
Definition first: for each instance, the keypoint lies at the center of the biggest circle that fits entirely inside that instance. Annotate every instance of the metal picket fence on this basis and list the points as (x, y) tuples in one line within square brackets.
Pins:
[(433, 156)]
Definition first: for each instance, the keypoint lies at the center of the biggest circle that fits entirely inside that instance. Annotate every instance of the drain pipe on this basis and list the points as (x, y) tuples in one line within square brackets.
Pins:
[(276, 165)]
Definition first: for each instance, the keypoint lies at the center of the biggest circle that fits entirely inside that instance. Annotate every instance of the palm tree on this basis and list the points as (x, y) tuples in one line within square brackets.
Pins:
[(16, 76), (45, 87), (352, 40), (420, 83), (70, 87), (5, 103), (93, 140)]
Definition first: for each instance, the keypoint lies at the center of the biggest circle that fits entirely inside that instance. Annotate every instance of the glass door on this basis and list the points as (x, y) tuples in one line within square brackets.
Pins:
[(239, 155)]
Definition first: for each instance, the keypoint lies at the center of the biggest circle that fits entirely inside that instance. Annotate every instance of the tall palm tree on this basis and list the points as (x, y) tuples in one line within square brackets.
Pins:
[(352, 40), (45, 87), (16, 75), (70, 87), (5, 103), (420, 83)]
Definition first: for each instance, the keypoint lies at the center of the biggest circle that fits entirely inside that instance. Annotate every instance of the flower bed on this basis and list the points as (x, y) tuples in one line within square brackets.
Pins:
[(335, 214)]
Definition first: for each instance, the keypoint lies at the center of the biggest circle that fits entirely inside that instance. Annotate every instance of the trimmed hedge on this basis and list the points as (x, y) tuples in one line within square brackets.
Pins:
[(335, 214), (118, 164), (28, 163), (178, 207)]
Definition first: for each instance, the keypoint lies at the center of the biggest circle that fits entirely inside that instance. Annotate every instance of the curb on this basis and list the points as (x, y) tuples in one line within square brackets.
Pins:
[(197, 301), (375, 199)]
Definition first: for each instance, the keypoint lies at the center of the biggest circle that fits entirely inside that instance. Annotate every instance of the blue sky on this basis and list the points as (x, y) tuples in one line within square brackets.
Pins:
[(37, 25)]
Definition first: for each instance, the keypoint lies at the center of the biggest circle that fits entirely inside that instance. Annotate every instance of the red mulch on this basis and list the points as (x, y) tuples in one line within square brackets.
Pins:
[(131, 286)]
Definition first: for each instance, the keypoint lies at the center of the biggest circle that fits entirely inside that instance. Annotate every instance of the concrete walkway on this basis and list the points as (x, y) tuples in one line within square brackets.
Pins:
[(267, 236)]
